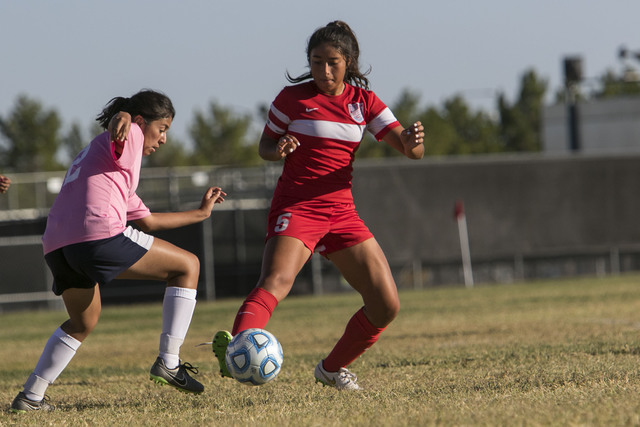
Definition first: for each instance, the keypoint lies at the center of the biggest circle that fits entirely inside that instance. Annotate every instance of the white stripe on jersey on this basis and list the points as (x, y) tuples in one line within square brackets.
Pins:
[(382, 120), (328, 130), (275, 128), (281, 117)]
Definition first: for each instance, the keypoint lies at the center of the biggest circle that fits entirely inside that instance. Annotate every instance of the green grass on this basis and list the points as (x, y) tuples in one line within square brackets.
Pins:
[(544, 353)]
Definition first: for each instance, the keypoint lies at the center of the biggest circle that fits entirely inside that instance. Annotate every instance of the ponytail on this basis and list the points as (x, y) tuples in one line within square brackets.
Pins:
[(149, 104), (114, 106)]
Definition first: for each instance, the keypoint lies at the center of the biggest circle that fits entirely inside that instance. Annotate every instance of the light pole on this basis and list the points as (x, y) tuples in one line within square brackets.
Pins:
[(572, 77)]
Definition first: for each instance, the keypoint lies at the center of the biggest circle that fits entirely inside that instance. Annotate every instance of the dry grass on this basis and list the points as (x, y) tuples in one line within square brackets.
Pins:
[(544, 353)]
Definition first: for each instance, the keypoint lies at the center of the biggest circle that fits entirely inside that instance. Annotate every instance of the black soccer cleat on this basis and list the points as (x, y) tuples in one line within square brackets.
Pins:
[(178, 377), (21, 404)]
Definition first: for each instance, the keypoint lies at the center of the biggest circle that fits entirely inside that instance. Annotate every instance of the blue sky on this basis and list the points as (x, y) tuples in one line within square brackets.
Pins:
[(76, 55)]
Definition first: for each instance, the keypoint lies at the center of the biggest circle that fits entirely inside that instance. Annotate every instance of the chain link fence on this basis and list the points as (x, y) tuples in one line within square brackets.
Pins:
[(528, 217)]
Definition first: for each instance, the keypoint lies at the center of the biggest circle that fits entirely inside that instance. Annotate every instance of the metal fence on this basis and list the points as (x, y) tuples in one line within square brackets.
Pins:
[(25, 279), (32, 194), (230, 244)]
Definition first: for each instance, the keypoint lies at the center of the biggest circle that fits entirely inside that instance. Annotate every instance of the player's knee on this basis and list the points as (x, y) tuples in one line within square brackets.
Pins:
[(80, 328), (193, 265), (277, 284), (189, 266), (385, 314), (393, 310), (389, 312)]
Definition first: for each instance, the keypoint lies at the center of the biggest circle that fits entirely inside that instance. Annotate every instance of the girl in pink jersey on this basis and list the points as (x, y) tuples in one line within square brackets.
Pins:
[(316, 126), (87, 243)]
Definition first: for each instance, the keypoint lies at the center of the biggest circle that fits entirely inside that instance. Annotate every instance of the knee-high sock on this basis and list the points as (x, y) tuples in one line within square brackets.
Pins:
[(57, 353), (177, 310), (255, 312), (358, 336)]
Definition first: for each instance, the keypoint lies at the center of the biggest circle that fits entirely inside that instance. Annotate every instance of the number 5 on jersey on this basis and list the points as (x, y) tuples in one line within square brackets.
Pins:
[(282, 223)]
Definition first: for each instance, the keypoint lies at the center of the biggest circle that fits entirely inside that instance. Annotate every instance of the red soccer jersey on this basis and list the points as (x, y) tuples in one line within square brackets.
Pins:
[(329, 129)]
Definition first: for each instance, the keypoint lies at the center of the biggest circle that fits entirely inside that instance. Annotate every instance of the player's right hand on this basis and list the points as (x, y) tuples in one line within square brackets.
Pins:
[(287, 144), (119, 126)]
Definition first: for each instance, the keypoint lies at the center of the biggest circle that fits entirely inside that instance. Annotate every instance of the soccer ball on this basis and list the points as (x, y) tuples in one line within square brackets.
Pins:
[(254, 357)]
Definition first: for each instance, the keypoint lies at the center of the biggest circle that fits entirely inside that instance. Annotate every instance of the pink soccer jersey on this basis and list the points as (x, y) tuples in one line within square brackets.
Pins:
[(329, 129), (98, 195)]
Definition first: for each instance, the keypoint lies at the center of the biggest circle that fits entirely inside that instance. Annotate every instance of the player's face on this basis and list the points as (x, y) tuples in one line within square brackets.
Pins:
[(328, 68), (155, 134)]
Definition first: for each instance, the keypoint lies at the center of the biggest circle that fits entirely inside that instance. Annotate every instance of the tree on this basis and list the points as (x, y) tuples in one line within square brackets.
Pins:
[(521, 123), (454, 129), (473, 132), (32, 134), (440, 137), (223, 138), (612, 85), (73, 143), (405, 109), (171, 154)]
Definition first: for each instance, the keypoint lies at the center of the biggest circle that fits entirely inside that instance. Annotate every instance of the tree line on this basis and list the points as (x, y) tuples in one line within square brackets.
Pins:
[(32, 137)]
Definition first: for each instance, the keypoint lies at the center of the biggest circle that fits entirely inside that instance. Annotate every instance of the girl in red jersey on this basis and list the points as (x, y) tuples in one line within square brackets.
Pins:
[(316, 126)]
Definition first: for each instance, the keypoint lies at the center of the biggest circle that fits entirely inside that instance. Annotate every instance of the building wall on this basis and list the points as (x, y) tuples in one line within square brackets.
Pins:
[(514, 204), (608, 126)]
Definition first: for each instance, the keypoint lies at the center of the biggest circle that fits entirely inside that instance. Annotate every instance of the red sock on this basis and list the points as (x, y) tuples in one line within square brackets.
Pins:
[(255, 312), (358, 336)]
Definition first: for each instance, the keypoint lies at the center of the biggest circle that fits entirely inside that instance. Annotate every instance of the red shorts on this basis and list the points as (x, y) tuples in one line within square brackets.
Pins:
[(321, 226)]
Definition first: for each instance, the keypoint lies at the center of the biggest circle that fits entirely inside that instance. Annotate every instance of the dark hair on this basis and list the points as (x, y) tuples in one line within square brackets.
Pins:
[(339, 35), (149, 104)]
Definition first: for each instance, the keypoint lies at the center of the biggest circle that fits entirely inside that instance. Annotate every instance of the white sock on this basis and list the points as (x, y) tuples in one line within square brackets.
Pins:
[(57, 353), (177, 310)]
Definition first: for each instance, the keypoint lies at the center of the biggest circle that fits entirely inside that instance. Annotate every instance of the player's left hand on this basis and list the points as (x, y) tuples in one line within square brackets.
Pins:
[(119, 126), (413, 135), (212, 196)]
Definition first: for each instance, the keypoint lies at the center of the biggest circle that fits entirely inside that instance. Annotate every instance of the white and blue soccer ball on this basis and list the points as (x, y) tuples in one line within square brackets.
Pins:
[(254, 357)]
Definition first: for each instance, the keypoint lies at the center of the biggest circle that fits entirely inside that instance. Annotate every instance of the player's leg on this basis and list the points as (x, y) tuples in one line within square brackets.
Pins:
[(282, 260), (167, 262), (83, 307), (180, 269), (293, 230), (366, 269)]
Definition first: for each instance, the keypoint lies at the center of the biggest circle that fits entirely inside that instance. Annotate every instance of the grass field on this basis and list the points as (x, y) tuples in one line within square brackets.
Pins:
[(544, 353)]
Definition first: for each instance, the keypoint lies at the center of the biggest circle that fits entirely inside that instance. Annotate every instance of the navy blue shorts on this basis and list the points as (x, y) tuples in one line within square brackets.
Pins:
[(82, 265)]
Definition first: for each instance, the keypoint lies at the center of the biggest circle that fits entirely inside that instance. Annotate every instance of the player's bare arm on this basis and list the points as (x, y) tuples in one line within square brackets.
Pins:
[(168, 220), (276, 149), (409, 141)]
